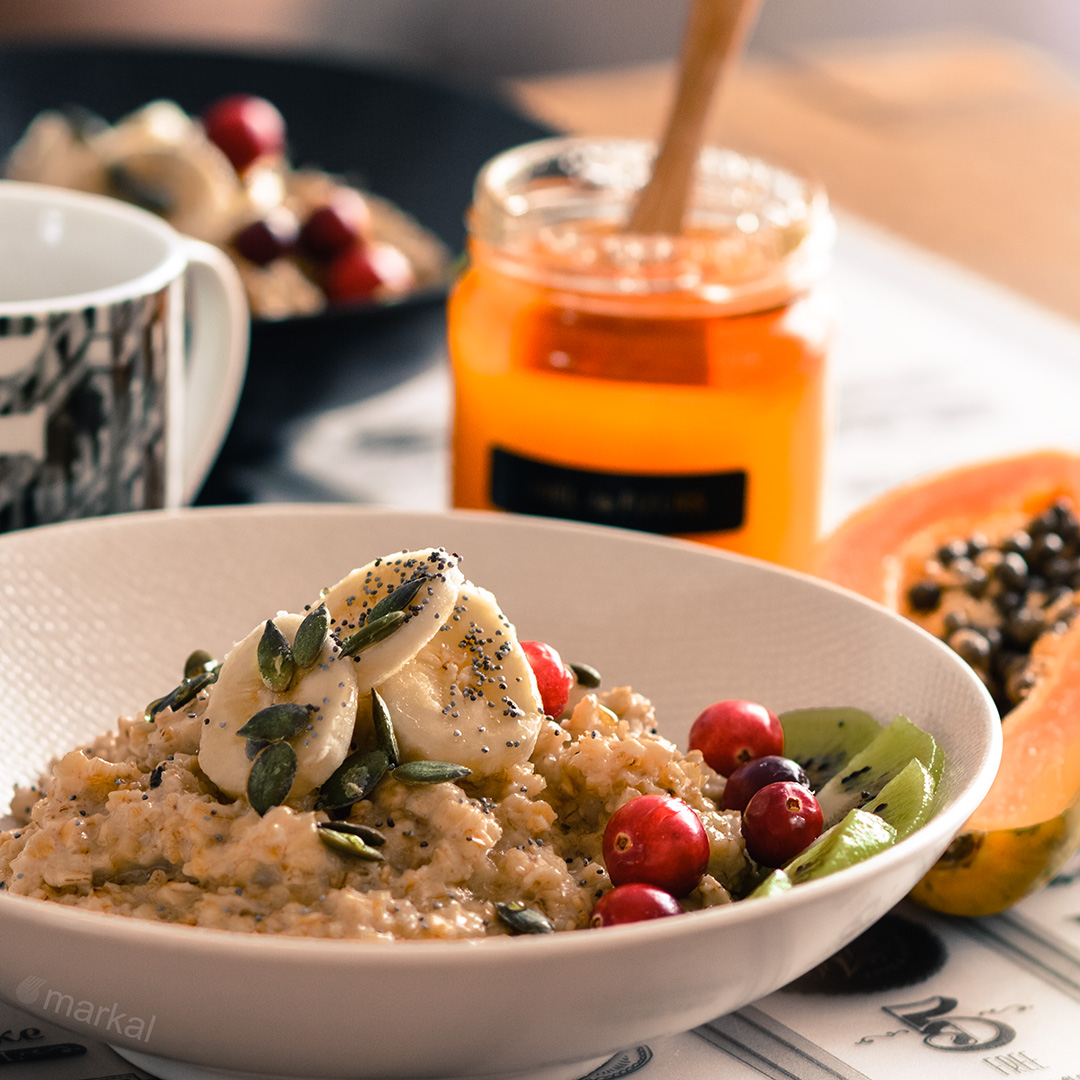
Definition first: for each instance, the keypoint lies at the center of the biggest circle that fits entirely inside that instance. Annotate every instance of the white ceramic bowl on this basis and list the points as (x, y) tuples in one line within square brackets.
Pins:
[(97, 616)]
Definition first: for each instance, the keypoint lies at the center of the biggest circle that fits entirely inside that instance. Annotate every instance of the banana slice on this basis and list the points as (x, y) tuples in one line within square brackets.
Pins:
[(239, 693), (159, 158), (434, 575), (52, 152), (468, 696)]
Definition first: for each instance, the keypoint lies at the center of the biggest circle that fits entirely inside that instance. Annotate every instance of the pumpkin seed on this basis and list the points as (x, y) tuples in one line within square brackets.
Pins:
[(353, 828), (180, 695), (353, 845), (353, 779), (276, 664), (384, 728), (400, 598), (523, 920), (153, 709), (310, 637), (199, 662), (430, 772), (254, 747), (276, 722), (271, 777), (372, 632), (586, 676), (129, 186)]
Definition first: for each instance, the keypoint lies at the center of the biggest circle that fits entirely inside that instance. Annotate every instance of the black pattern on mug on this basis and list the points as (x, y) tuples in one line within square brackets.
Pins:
[(83, 412)]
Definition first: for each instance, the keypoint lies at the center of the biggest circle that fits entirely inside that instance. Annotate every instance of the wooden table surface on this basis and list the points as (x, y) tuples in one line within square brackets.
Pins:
[(966, 146)]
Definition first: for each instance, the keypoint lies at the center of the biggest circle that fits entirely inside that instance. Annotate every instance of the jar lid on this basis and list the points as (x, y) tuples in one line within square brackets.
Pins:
[(555, 211)]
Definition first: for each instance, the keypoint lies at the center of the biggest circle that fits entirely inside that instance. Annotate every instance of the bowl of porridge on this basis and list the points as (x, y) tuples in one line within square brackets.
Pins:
[(271, 765)]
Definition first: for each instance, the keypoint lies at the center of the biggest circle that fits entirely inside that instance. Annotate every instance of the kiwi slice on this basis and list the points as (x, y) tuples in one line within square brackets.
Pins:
[(860, 835), (864, 776), (824, 740), (906, 801), (776, 882)]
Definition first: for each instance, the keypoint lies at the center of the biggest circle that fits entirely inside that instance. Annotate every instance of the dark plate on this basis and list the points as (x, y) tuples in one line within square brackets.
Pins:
[(404, 138)]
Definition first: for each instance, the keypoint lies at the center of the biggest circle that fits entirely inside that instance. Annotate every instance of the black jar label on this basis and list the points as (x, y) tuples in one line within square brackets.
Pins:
[(670, 503)]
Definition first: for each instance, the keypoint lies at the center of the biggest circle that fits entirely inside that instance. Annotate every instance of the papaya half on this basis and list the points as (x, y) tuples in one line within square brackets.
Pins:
[(987, 558)]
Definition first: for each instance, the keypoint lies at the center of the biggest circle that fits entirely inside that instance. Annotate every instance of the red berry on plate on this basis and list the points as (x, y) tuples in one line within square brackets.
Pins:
[(779, 822), (335, 226), (731, 733), (553, 678), (244, 128), (269, 238), (750, 778), (360, 272), (656, 840), (634, 902)]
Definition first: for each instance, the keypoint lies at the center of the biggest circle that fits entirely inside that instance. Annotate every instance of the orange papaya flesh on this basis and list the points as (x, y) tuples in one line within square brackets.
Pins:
[(915, 536)]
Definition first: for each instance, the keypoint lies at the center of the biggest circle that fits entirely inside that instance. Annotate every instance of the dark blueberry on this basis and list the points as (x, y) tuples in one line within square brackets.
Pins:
[(954, 620), (750, 778)]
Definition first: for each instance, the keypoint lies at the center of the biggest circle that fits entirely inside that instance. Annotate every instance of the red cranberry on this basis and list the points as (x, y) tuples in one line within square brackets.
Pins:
[(754, 775), (245, 128), (361, 271), (656, 840), (779, 822), (269, 238), (553, 678), (634, 902), (336, 226), (731, 733)]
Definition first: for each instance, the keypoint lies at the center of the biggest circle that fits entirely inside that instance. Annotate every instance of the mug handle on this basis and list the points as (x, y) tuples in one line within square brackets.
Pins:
[(216, 360)]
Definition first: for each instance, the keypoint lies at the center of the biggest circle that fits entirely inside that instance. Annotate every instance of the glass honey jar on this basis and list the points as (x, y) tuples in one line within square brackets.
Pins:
[(668, 383)]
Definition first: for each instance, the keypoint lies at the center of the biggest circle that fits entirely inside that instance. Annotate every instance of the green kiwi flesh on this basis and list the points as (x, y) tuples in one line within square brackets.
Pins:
[(907, 800), (867, 773), (858, 836), (824, 740)]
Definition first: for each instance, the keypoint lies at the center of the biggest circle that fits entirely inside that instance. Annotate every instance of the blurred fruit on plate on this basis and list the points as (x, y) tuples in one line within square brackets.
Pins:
[(303, 240)]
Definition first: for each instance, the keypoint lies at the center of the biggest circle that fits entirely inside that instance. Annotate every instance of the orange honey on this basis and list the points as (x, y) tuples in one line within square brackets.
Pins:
[(671, 384)]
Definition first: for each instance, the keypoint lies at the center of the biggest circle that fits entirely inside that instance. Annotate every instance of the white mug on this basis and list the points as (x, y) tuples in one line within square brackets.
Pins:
[(123, 349)]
